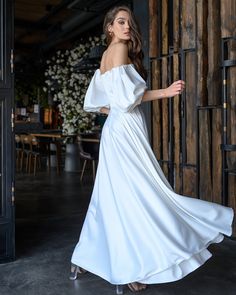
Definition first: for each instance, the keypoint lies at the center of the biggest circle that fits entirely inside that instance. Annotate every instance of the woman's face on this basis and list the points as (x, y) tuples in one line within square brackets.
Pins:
[(120, 29)]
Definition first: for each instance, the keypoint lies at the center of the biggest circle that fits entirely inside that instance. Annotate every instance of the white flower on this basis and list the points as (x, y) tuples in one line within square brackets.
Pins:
[(68, 87)]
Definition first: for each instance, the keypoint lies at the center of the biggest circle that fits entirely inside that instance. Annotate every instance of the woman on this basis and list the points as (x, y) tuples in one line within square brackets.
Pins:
[(137, 230)]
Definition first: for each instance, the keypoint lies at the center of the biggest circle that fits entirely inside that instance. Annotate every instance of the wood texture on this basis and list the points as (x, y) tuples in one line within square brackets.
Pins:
[(201, 43), (165, 112), (216, 155), (205, 173), (188, 24), (228, 18), (156, 111), (189, 181), (190, 104), (176, 112), (198, 26), (164, 26), (214, 53), (176, 28), (153, 28), (228, 29)]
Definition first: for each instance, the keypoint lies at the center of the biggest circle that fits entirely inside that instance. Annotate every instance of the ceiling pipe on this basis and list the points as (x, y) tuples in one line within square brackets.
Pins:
[(73, 3), (53, 11), (64, 32), (76, 20), (89, 21), (78, 24)]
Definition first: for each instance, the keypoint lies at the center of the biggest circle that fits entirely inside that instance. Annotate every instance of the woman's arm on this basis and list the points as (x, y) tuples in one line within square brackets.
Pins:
[(174, 89)]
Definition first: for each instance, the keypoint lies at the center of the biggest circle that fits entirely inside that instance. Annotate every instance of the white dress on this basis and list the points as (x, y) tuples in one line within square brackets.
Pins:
[(137, 229)]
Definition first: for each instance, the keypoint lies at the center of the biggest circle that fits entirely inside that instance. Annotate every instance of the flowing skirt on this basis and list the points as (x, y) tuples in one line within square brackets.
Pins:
[(137, 229)]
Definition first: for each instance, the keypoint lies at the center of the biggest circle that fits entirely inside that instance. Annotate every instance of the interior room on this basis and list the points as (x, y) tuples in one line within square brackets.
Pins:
[(49, 146)]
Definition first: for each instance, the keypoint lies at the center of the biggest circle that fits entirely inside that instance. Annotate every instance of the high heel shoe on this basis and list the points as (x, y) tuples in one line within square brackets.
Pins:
[(136, 287), (75, 270), (119, 289)]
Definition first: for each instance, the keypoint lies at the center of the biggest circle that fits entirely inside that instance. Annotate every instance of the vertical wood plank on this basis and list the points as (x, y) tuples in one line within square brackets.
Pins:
[(176, 112), (214, 53), (190, 108), (165, 119), (156, 111), (202, 62), (228, 18), (176, 28), (153, 28), (165, 169), (216, 156), (189, 181), (205, 176), (188, 24), (164, 27)]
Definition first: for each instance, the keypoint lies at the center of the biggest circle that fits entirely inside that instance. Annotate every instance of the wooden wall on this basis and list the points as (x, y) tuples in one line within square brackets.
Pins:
[(185, 43)]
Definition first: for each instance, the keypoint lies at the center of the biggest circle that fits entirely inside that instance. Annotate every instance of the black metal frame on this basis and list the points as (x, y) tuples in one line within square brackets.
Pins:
[(226, 147), (182, 74), (7, 218), (183, 162)]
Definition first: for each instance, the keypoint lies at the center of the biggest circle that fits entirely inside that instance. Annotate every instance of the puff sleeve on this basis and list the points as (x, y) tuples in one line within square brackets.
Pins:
[(95, 97), (129, 87)]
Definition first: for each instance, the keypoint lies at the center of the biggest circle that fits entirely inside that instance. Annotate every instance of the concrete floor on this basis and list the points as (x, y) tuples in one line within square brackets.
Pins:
[(49, 213)]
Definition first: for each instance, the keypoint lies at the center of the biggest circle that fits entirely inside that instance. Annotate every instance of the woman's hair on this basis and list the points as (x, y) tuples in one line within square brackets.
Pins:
[(135, 52)]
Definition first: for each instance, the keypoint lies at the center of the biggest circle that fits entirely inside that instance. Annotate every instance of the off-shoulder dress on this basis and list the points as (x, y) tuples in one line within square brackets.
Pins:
[(137, 229)]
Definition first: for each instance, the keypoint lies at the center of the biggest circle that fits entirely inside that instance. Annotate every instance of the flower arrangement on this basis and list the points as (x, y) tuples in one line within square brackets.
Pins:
[(68, 86)]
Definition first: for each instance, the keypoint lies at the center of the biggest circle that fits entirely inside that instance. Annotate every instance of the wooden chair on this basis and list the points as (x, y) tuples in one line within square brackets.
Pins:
[(30, 151), (35, 154), (26, 150), (89, 150)]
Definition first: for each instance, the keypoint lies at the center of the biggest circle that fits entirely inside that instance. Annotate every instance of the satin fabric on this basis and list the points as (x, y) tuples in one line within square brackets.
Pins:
[(137, 228)]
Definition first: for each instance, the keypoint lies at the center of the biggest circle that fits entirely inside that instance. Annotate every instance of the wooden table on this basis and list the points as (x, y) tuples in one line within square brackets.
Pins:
[(54, 137), (48, 135)]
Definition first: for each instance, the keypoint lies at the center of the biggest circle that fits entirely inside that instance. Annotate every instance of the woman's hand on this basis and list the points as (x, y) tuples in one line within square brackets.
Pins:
[(175, 88), (104, 110)]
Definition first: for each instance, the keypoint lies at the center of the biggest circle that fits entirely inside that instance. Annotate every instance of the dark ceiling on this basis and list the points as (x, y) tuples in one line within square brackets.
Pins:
[(42, 26)]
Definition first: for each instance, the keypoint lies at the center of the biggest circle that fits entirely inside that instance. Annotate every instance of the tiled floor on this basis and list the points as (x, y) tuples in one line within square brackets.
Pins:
[(49, 213)]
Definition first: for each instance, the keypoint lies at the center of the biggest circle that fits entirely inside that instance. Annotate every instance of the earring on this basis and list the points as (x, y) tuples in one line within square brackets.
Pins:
[(111, 33)]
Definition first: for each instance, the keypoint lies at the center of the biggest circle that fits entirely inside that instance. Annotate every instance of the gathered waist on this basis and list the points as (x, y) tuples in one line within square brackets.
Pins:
[(119, 118), (114, 110)]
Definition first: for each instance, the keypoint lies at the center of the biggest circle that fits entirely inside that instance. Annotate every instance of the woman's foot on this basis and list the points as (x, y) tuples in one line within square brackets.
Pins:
[(75, 270), (136, 287)]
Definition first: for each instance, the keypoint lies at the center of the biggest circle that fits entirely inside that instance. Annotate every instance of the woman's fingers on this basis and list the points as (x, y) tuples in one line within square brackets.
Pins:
[(176, 88), (179, 86)]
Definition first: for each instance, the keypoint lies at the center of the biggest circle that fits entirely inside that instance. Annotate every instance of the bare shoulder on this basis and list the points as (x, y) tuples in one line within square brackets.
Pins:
[(118, 54)]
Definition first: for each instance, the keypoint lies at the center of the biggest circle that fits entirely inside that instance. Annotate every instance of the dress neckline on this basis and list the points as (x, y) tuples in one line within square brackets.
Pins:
[(120, 66)]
